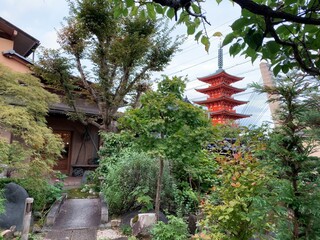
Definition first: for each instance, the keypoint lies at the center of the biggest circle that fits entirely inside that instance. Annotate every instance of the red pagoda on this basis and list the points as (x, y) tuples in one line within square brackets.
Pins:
[(220, 102)]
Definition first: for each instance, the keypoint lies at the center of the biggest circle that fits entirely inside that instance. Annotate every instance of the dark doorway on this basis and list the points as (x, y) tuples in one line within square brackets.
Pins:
[(63, 163)]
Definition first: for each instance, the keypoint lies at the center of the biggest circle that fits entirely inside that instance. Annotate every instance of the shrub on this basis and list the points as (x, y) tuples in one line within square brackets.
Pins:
[(130, 183), (44, 194), (175, 229), (186, 199)]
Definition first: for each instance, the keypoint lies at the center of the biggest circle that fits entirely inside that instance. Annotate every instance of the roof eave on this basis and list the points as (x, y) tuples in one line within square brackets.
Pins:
[(13, 54)]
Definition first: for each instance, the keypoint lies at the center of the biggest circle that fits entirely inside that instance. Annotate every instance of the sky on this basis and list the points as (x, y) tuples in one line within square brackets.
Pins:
[(42, 18)]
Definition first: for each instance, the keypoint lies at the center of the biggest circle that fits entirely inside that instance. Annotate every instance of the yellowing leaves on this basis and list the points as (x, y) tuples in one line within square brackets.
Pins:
[(24, 105), (236, 185)]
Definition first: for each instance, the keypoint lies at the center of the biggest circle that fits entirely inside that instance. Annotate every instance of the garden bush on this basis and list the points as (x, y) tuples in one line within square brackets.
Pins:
[(175, 229), (130, 183), (43, 193)]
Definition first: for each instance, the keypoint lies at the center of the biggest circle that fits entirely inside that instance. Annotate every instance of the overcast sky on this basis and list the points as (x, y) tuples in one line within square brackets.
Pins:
[(42, 18)]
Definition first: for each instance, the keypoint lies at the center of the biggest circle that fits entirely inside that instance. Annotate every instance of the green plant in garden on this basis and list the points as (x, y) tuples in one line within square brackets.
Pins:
[(175, 229), (126, 230), (13, 156), (24, 105), (288, 154), (130, 182), (239, 204), (170, 129), (43, 192)]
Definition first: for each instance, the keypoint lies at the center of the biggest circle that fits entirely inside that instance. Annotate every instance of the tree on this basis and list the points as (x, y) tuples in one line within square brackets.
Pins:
[(24, 105), (122, 51), (169, 128), (288, 153), (283, 32)]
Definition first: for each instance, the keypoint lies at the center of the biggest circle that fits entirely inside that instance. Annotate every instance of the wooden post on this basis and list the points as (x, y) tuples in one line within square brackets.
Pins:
[(26, 218)]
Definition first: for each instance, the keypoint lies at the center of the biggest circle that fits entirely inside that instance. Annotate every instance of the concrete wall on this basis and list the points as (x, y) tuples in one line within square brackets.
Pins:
[(16, 66)]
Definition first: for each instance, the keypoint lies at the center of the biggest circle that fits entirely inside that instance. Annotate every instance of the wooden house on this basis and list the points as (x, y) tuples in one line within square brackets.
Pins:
[(81, 141)]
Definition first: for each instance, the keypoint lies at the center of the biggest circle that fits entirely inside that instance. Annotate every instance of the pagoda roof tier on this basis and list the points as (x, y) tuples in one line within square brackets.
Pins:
[(217, 74), (228, 114), (220, 85), (222, 98)]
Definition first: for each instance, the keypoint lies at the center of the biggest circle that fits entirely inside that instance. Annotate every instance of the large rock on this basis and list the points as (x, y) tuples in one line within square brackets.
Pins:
[(192, 223), (143, 224), (15, 196), (86, 177)]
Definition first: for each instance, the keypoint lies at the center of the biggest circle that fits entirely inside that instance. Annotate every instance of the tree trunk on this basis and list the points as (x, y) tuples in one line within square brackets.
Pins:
[(159, 186), (296, 213)]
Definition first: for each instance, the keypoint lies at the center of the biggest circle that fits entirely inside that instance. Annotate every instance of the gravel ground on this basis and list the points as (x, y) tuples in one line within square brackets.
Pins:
[(109, 234)]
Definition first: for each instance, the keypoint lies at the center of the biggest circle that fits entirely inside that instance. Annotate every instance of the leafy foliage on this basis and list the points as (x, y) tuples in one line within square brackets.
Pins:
[(122, 50), (169, 129), (44, 194), (283, 33), (24, 105), (13, 156), (239, 204), (175, 229), (288, 154), (129, 183)]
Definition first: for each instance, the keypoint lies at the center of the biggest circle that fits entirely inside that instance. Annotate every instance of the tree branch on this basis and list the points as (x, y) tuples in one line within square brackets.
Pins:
[(297, 55), (181, 4), (266, 11)]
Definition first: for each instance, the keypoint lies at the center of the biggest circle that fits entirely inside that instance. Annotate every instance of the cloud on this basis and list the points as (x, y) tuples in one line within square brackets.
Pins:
[(49, 40)]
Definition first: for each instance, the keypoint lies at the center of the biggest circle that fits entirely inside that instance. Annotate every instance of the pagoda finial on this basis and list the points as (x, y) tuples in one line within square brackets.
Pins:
[(220, 57)]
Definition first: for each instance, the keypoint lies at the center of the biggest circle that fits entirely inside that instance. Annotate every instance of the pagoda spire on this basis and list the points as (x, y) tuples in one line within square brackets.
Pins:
[(220, 57)]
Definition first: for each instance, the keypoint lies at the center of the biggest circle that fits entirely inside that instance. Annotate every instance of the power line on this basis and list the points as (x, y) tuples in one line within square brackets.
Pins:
[(199, 63), (210, 30), (205, 62), (262, 112)]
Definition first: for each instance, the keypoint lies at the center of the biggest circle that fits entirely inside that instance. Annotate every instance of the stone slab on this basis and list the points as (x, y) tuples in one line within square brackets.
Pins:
[(74, 234), (78, 213)]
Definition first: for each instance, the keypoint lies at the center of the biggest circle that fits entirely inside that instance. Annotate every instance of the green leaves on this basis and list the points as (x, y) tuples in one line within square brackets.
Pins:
[(205, 41), (235, 49), (129, 3), (159, 9), (24, 105), (151, 12), (228, 39), (191, 29), (287, 153), (242, 180), (176, 229), (170, 13), (166, 122)]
